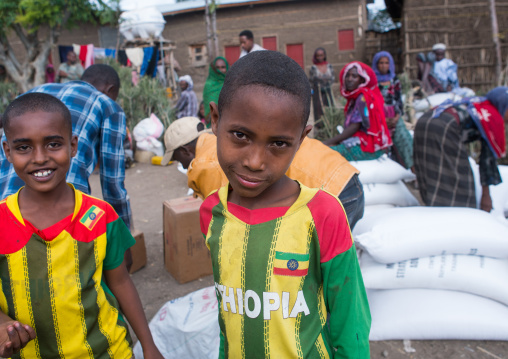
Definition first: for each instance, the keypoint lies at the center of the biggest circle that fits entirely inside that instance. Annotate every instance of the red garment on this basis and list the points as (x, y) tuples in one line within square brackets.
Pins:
[(491, 127), (377, 136), (82, 54)]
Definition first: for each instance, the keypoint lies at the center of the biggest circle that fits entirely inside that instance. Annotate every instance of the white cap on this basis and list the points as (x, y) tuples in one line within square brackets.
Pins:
[(179, 133), (439, 46)]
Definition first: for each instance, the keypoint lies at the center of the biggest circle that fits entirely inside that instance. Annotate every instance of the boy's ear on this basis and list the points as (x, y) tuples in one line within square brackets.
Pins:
[(7, 150), (74, 145), (305, 132), (214, 113)]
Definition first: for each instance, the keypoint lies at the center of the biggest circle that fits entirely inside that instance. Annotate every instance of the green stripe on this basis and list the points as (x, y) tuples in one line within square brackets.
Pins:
[(6, 285), (287, 256), (40, 295), (258, 248), (87, 214), (311, 323), (87, 267), (218, 221)]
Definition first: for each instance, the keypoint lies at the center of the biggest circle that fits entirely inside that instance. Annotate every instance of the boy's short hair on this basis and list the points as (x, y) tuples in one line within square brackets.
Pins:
[(101, 74), (32, 102), (248, 34), (269, 69)]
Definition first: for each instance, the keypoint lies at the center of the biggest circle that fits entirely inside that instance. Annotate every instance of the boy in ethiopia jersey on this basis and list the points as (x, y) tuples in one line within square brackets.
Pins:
[(63, 281), (282, 253)]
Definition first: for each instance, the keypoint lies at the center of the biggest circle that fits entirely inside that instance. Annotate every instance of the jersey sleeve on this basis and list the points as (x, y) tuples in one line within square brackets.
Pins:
[(343, 287), (119, 239)]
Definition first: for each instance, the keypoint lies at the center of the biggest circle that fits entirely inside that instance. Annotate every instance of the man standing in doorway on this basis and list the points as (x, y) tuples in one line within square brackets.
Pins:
[(247, 43)]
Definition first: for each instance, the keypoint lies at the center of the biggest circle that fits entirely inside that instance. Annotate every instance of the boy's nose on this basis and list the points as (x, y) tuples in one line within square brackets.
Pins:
[(39, 156), (255, 159)]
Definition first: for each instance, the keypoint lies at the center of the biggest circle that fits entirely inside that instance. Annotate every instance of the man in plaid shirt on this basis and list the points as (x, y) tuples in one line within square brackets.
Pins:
[(99, 123)]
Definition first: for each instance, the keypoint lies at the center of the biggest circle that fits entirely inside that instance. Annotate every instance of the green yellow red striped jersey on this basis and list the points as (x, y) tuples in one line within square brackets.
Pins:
[(52, 280), (279, 273)]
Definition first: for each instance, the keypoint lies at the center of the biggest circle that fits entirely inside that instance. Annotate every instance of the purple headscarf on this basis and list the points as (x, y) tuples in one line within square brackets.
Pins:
[(499, 98), (391, 72)]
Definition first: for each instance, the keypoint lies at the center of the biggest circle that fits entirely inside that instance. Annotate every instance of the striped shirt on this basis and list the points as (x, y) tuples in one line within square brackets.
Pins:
[(52, 280), (279, 271), (99, 123)]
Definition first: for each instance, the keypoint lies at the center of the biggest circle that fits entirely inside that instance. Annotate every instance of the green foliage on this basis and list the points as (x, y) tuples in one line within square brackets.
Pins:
[(8, 92), (32, 14), (138, 102), (333, 116)]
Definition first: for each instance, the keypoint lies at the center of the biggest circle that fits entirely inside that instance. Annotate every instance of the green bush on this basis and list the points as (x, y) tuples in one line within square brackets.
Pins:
[(148, 97), (333, 116)]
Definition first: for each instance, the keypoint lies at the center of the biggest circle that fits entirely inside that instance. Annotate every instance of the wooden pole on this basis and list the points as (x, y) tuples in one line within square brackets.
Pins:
[(495, 38)]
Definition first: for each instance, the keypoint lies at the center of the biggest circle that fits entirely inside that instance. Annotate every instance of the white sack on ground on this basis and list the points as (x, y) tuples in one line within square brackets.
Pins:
[(499, 193), (146, 134), (187, 327), (382, 170), (426, 314), (483, 276), (389, 193), (398, 234), (370, 209), (434, 100)]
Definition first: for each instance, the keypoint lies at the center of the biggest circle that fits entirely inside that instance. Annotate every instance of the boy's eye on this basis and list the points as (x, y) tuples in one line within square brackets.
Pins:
[(239, 135), (22, 148), (280, 144), (54, 145)]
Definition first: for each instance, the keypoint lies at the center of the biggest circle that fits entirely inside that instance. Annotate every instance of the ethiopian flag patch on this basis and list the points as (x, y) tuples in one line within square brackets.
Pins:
[(91, 217), (291, 264)]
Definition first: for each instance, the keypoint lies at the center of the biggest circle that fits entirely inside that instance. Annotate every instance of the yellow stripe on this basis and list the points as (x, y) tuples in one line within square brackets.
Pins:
[(78, 199), (323, 313), (280, 263), (320, 345), (66, 289), (108, 315), (3, 301), (21, 297), (283, 334), (12, 204), (233, 279)]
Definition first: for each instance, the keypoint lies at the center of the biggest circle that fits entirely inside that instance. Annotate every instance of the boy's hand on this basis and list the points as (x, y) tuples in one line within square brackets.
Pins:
[(152, 353), (14, 336)]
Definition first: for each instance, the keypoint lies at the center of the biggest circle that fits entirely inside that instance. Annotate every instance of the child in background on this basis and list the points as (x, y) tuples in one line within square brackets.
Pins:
[(61, 251), (282, 254)]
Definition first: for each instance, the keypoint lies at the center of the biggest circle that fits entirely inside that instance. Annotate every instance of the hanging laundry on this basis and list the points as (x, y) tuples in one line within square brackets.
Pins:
[(89, 60), (149, 66), (122, 57), (82, 54), (99, 53), (135, 55), (110, 53), (77, 49), (62, 51)]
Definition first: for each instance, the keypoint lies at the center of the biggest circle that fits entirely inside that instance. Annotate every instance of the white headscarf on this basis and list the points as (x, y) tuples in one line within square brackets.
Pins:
[(439, 46), (187, 79)]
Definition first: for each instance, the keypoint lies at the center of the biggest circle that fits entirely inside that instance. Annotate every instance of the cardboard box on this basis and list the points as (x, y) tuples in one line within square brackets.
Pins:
[(138, 251), (186, 256)]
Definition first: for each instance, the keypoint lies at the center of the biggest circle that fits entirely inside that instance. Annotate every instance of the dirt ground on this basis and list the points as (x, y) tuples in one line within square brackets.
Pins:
[(148, 186)]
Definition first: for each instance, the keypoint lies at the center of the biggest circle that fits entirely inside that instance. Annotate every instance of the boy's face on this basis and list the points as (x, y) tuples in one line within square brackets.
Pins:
[(40, 147), (257, 137)]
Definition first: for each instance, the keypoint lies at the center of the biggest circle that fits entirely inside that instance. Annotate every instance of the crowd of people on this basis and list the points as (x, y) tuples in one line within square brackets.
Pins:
[(278, 206)]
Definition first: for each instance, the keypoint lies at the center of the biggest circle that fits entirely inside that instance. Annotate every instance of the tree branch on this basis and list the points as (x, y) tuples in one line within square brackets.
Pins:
[(21, 35)]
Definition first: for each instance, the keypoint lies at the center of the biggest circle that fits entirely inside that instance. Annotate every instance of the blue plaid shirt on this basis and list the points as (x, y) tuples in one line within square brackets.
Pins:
[(99, 123)]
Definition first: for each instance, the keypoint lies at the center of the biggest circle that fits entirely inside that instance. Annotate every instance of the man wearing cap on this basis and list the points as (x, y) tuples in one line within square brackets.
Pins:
[(188, 142), (442, 72)]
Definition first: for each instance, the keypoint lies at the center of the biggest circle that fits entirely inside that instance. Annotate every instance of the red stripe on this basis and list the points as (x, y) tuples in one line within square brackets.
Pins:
[(291, 273), (205, 211)]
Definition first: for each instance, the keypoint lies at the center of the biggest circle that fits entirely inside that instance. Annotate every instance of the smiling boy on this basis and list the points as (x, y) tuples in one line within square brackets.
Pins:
[(56, 246), (282, 254)]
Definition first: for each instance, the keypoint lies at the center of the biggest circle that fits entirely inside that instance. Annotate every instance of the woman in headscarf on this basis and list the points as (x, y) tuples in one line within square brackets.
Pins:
[(442, 167), (389, 85), (187, 104), (216, 75), (321, 77), (365, 136)]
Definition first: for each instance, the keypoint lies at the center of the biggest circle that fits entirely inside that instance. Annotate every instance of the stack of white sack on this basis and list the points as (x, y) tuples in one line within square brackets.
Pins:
[(498, 193), (435, 273), (146, 134), (423, 105), (383, 185)]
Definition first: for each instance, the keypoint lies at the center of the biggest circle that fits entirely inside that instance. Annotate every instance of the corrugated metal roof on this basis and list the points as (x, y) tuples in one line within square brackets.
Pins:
[(189, 6)]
